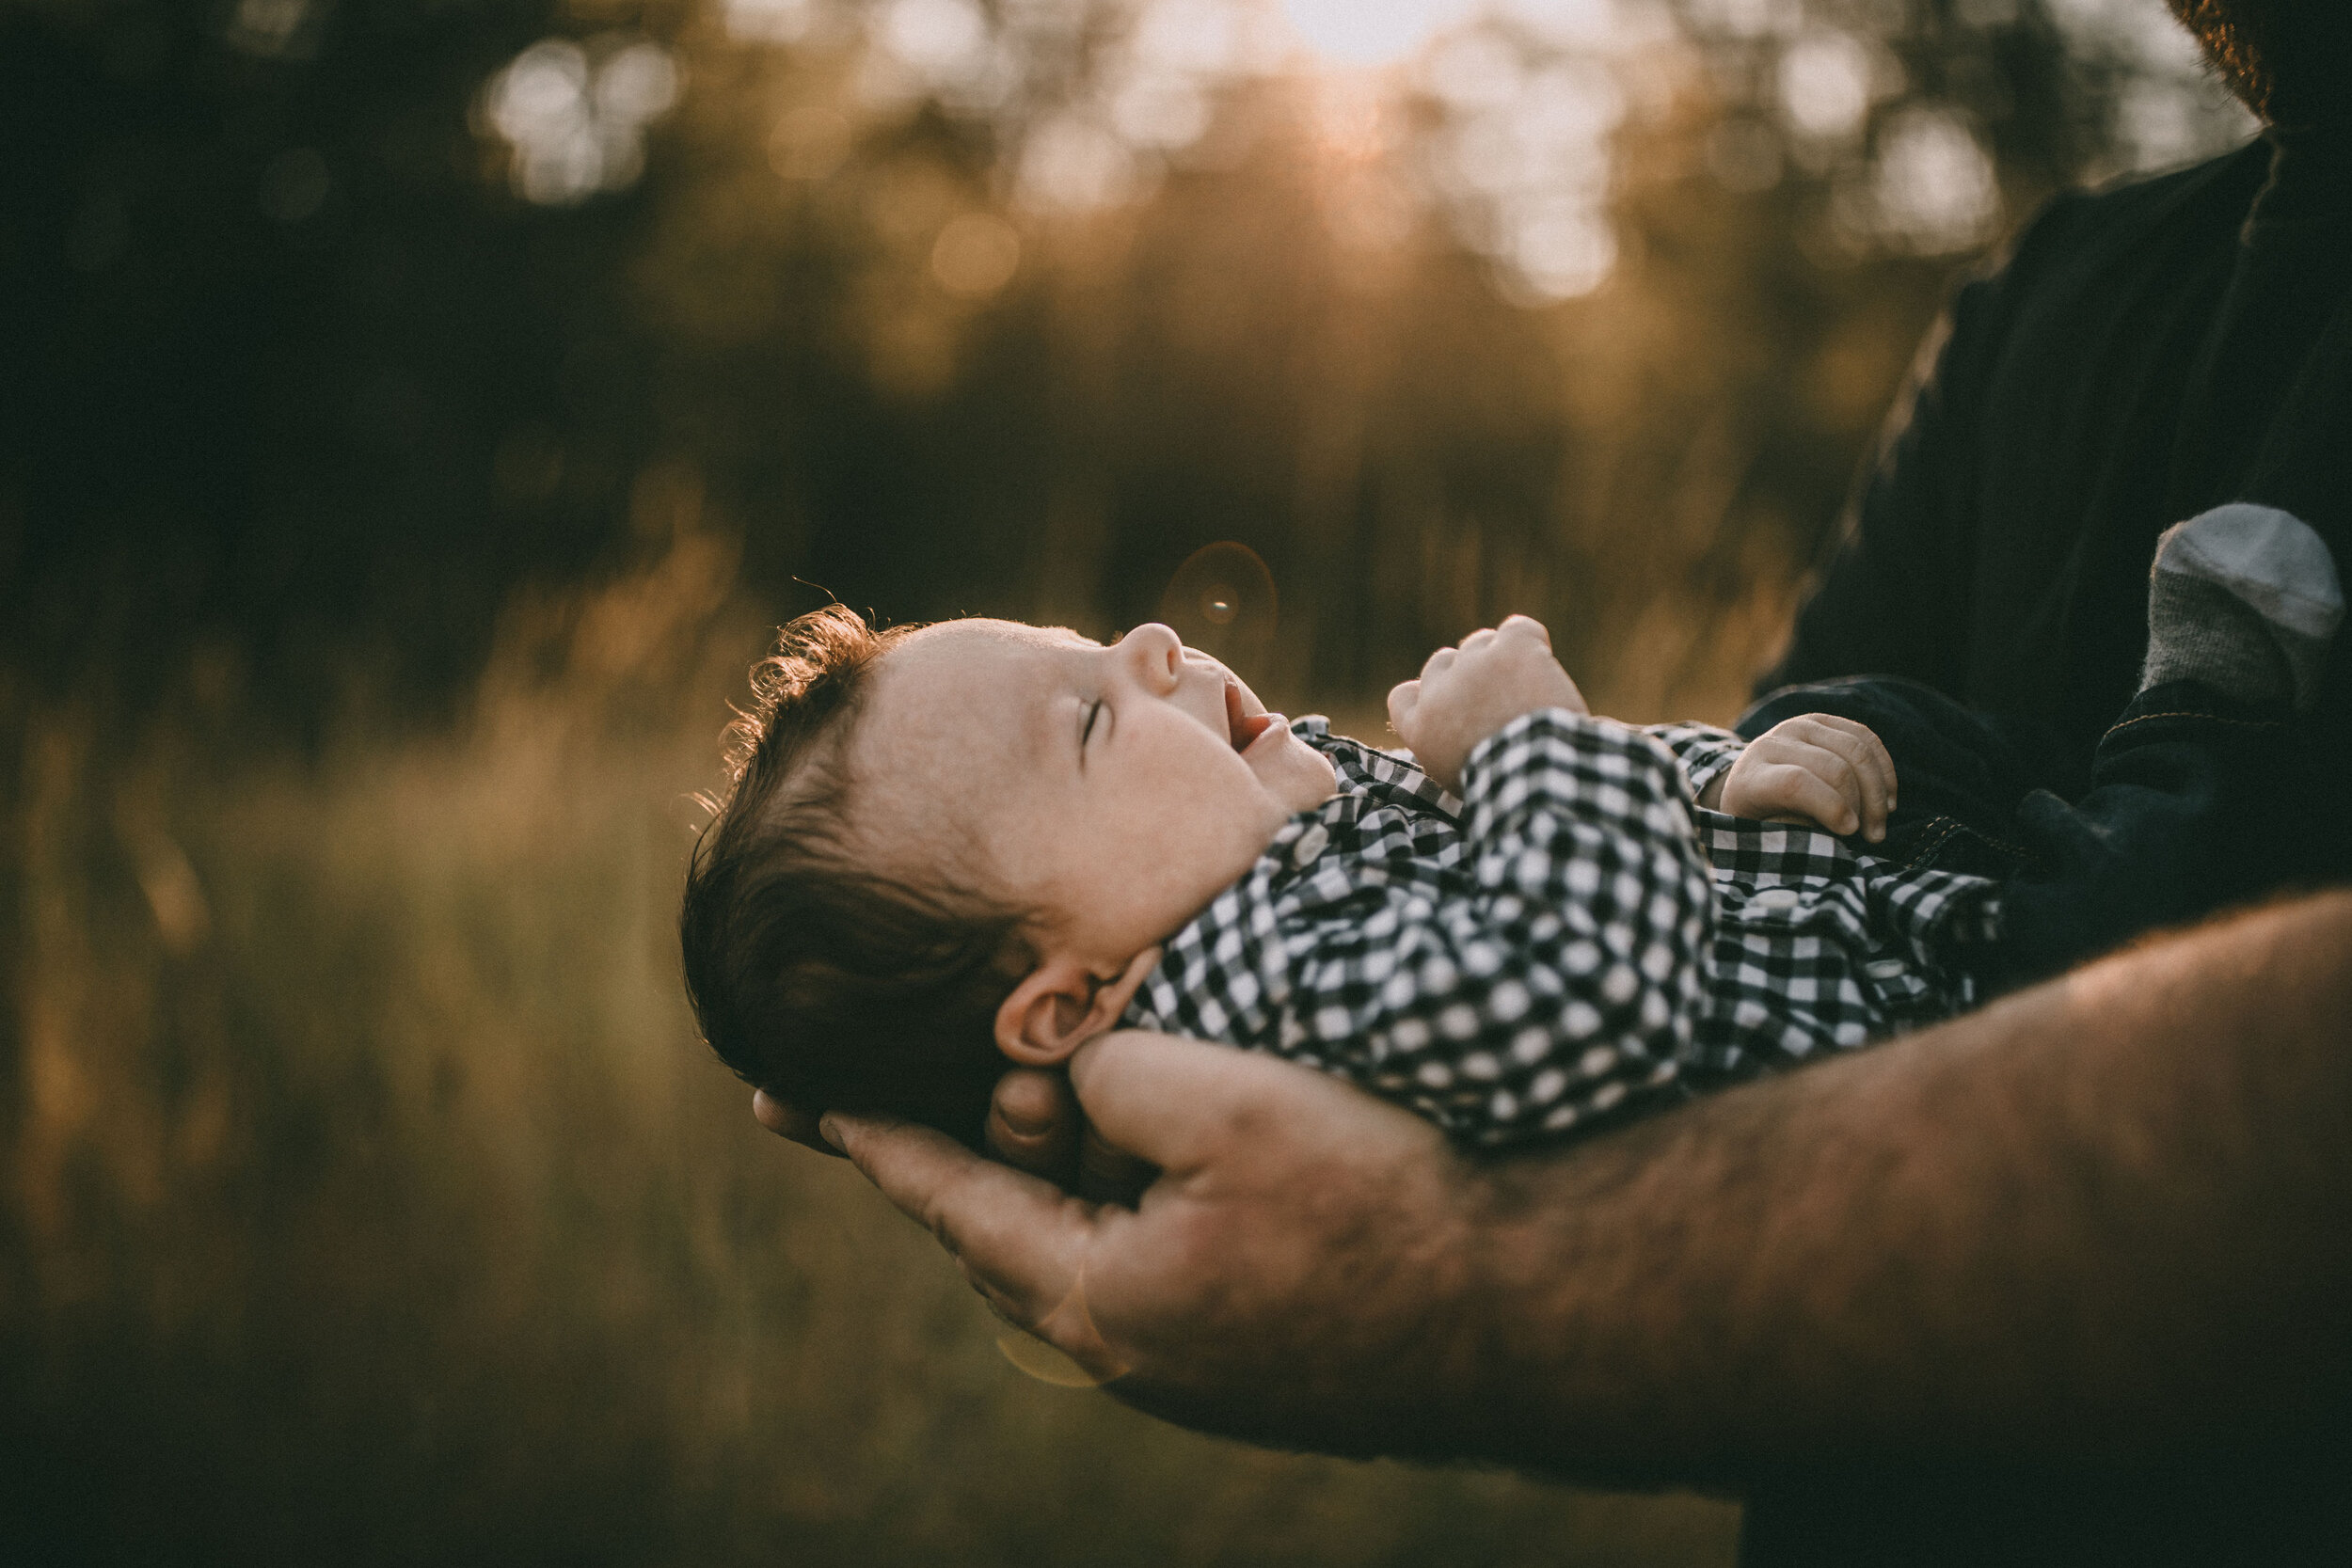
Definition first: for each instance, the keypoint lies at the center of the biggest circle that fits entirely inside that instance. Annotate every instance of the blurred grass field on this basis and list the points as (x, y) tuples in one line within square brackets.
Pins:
[(413, 417), (369, 1198)]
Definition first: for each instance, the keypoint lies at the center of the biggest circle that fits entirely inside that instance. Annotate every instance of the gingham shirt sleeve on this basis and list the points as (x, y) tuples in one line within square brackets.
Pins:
[(1566, 985), (1360, 767), (1704, 750)]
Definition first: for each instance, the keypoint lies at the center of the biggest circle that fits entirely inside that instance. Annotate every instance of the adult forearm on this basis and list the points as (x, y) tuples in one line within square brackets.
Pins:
[(2099, 1220), (2102, 1221)]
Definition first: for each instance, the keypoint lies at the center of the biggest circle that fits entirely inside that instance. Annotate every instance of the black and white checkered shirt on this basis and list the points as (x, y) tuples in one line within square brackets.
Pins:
[(1571, 941)]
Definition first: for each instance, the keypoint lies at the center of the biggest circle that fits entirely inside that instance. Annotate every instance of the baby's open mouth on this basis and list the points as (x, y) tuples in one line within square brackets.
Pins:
[(1242, 728)]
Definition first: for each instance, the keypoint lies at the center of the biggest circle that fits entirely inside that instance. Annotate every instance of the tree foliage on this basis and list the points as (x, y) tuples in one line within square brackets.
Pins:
[(332, 322)]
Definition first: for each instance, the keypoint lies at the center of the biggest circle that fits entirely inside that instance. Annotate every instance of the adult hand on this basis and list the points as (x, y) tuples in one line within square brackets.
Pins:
[(1466, 694), (1300, 1232), (1033, 1122), (2097, 1220)]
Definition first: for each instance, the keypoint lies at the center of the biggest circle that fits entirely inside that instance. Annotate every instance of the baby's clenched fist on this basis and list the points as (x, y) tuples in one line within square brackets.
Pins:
[(1466, 694), (1815, 767)]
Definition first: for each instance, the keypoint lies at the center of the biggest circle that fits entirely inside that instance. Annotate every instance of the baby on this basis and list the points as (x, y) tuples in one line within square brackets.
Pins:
[(954, 846)]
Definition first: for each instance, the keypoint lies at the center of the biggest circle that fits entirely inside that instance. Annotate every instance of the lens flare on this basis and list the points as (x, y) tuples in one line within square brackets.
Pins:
[(1044, 1363), (1222, 602)]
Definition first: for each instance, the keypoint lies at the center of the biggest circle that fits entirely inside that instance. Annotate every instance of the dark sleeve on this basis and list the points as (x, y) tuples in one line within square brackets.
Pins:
[(1892, 597), (1895, 594)]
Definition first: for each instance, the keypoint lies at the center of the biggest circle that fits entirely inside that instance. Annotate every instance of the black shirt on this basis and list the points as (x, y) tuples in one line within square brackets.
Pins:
[(2146, 352)]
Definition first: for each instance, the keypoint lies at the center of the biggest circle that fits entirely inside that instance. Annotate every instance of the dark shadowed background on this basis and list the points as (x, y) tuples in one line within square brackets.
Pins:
[(414, 415)]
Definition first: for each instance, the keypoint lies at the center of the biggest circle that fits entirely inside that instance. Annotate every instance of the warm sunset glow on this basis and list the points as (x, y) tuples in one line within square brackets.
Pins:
[(1366, 32)]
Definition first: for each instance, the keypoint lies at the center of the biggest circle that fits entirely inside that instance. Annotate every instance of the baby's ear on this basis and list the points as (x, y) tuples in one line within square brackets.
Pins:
[(1059, 1005)]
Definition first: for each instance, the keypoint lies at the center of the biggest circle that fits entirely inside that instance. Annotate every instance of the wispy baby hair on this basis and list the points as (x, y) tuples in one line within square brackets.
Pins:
[(812, 976)]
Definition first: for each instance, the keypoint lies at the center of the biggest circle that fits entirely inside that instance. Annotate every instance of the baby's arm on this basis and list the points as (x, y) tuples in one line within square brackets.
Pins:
[(1466, 694), (1815, 767), (1562, 983)]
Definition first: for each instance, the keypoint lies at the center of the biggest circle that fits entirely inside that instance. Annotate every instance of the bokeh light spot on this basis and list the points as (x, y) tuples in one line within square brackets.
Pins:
[(269, 26), (576, 120), (1222, 601), (770, 20), (1363, 33), (937, 39), (1564, 251), (636, 85), (1072, 164), (975, 254), (1825, 85), (1933, 186), (1165, 111), (1198, 37), (1474, 72)]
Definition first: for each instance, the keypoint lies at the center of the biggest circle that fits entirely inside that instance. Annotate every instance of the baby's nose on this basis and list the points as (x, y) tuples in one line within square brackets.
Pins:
[(1158, 652)]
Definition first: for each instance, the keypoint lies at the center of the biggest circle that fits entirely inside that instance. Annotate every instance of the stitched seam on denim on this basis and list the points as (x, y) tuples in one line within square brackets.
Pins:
[(1926, 852), (2210, 718), (1953, 827), (2001, 843)]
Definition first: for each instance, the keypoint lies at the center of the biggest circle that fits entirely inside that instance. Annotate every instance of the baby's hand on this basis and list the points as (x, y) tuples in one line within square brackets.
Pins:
[(1466, 694), (1815, 767)]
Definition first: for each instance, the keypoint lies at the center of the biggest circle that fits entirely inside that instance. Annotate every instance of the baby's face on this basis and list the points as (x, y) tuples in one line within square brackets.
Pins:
[(1114, 789)]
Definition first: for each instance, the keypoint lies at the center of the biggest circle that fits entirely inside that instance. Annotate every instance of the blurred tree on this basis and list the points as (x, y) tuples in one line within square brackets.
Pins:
[(329, 323), (286, 374), (392, 359)]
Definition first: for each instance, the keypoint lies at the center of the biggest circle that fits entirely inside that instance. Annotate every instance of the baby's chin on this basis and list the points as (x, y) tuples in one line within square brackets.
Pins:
[(1297, 775)]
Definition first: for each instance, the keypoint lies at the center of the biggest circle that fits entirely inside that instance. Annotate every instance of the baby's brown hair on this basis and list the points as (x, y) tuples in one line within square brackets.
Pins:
[(812, 976)]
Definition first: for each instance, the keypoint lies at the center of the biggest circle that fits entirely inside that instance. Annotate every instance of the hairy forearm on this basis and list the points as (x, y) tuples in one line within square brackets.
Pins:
[(2102, 1221), (2099, 1220)]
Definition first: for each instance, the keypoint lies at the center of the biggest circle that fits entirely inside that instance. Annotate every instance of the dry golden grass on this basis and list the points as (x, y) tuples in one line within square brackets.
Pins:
[(368, 1197)]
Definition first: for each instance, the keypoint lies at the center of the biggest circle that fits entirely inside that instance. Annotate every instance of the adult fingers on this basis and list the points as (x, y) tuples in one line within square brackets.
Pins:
[(1018, 1240), (1110, 1175), (1033, 1123), (789, 1121)]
